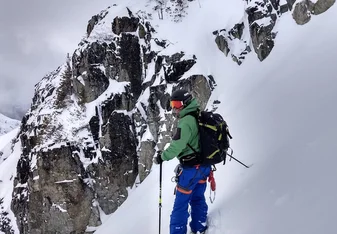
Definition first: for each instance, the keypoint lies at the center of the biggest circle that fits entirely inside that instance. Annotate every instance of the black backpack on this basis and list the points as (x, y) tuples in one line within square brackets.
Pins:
[(214, 138)]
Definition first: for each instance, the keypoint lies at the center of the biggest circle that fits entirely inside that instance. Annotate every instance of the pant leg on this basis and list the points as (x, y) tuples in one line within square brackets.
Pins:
[(198, 203), (179, 215), (185, 187), (199, 208)]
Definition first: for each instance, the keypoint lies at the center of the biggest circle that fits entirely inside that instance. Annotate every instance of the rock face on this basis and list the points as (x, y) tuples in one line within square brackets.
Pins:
[(227, 41), (303, 10), (258, 27), (57, 195), (322, 6), (94, 124)]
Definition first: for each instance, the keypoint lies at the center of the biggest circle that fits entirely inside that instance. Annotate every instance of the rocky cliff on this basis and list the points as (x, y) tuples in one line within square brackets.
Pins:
[(95, 124)]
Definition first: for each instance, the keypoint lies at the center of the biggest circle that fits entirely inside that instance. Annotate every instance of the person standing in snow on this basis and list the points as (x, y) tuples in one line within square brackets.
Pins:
[(191, 177)]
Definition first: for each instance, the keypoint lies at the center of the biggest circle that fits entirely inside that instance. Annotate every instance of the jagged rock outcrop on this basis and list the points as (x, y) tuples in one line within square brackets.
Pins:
[(174, 66), (95, 20), (57, 191), (262, 34), (125, 24), (5, 222), (322, 6), (257, 29), (95, 124), (303, 10), (228, 41)]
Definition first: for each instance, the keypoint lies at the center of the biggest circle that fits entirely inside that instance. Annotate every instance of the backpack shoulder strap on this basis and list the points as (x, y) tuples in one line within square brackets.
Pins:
[(195, 114)]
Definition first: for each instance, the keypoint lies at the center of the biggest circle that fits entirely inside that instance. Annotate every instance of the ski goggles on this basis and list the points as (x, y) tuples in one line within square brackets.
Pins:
[(176, 104)]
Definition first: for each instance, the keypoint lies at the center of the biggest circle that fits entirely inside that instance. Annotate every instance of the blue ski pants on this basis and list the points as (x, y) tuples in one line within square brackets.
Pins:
[(190, 190)]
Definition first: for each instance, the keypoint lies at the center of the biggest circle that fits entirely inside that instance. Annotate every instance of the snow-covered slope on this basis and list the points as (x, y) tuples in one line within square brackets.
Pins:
[(7, 124), (282, 116), (9, 156)]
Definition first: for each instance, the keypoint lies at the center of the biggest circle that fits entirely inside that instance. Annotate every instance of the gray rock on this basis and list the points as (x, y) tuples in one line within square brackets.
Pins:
[(275, 4), (284, 8), (119, 167), (130, 66), (157, 93), (290, 4), (322, 6), (5, 221), (237, 30), (222, 44), (141, 31), (234, 35), (262, 39), (145, 158), (262, 35), (95, 20), (302, 12), (89, 80), (200, 88), (174, 66), (175, 71), (56, 196), (124, 24)]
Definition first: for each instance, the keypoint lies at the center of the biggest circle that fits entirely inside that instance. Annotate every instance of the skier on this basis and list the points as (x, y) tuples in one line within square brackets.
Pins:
[(190, 176)]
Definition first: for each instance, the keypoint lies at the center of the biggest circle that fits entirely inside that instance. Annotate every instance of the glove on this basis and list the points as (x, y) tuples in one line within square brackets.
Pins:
[(158, 159)]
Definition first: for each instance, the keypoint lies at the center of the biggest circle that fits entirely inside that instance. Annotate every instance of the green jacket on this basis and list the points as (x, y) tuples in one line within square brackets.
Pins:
[(187, 132)]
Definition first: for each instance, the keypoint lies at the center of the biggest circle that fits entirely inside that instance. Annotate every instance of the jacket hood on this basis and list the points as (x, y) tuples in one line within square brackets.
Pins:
[(192, 107)]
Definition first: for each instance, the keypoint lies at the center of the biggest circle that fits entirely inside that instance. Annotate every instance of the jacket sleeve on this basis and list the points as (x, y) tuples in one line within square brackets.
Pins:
[(179, 142)]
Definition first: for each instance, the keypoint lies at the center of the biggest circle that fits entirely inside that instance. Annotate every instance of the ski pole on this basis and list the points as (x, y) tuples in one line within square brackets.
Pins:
[(160, 189), (238, 161)]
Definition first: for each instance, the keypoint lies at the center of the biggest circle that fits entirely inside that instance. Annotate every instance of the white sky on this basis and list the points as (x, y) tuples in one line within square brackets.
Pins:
[(35, 37)]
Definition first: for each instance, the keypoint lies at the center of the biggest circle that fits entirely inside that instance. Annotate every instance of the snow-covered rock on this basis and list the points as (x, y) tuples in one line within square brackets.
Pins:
[(95, 121)]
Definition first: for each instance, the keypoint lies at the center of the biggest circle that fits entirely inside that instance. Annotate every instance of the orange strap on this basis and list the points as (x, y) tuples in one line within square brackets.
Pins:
[(183, 190)]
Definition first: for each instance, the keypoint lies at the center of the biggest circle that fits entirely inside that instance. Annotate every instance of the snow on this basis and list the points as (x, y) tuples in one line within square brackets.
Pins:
[(65, 181), (8, 163), (81, 80), (7, 124), (59, 208), (147, 135), (5, 141)]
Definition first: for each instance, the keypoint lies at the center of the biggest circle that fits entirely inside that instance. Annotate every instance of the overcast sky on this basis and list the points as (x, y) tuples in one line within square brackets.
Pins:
[(35, 37)]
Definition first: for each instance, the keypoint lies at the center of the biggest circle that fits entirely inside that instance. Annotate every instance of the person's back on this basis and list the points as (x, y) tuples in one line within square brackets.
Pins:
[(190, 176)]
